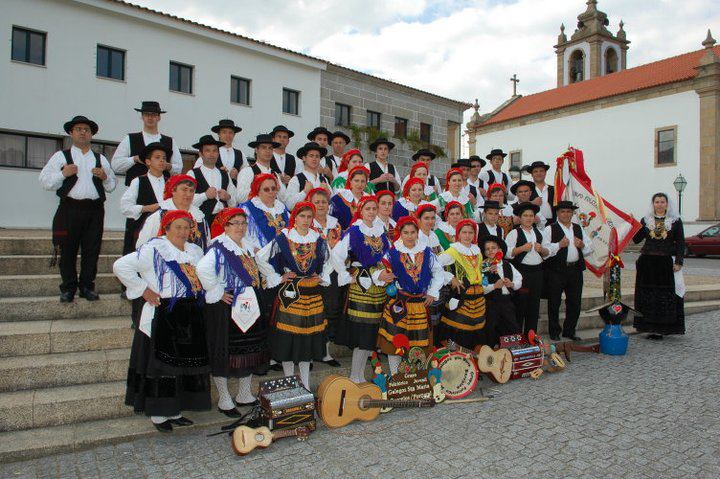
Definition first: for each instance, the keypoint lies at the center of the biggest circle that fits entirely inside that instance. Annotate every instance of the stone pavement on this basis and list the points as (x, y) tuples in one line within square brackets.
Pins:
[(653, 413)]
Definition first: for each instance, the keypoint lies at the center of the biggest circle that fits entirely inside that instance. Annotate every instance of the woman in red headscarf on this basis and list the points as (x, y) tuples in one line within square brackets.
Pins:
[(447, 226), (413, 196), (168, 370), (236, 329), (386, 203), (267, 215), (350, 160), (431, 183), (344, 203), (297, 261), (455, 191)]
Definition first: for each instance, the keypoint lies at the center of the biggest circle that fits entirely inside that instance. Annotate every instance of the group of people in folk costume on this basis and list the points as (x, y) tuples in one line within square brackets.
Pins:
[(243, 264)]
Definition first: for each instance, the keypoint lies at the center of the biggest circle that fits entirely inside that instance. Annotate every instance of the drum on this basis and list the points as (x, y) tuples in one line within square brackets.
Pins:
[(459, 375)]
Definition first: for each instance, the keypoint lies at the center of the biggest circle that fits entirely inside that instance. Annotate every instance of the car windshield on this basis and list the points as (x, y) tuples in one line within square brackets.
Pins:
[(712, 231)]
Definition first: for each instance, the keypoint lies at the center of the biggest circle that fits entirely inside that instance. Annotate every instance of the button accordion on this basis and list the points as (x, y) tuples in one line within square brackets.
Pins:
[(286, 404), (526, 357)]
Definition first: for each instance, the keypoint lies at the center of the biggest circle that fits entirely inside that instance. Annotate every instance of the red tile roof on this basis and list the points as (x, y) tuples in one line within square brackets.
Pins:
[(662, 72)]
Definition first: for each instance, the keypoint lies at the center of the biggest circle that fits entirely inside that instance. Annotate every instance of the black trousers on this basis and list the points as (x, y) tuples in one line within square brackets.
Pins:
[(568, 280), (85, 220), (501, 315), (130, 237), (527, 301)]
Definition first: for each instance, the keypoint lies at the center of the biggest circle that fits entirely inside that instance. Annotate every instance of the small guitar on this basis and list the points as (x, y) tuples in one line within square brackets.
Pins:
[(496, 364), (245, 439), (341, 401)]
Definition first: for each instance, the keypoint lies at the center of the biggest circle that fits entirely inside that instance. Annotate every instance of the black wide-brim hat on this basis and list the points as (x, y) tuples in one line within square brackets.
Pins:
[(564, 204), (263, 138), (477, 158), (225, 124), (156, 145), (150, 107), (319, 130), (381, 141), (495, 152), (495, 239), (312, 146), (340, 134), (518, 208), (535, 164), (79, 119), (278, 128), (207, 140), (490, 204), (520, 183), (461, 163), (423, 152)]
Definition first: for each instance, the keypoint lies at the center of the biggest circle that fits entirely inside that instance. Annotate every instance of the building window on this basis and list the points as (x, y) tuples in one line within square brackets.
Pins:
[(342, 114), (577, 66), (516, 159), (240, 90), (291, 101), (665, 146), (28, 46), (181, 77), (27, 151), (425, 132), (401, 127), (373, 119), (611, 61), (110, 63)]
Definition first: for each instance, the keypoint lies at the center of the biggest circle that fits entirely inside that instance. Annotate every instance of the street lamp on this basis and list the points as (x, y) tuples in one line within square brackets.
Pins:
[(680, 183)]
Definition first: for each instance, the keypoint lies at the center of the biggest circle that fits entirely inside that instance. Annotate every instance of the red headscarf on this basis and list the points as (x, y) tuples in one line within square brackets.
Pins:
[(419, 164), (301, 206), (382, 193), (495, 186), (451, 172), (258, 180), (466, 222), (173, 181), (423, 208), (361, 204), (355, 171), (404, 221), (451, 205), (410, 182), (346, 159), (222, 218), (171, 216), (316, 191)]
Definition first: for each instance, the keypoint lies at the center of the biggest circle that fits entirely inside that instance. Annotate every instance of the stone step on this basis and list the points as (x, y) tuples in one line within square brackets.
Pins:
[(42, 245), (25, 285), (63, 369), (45, 308), (40, 264)]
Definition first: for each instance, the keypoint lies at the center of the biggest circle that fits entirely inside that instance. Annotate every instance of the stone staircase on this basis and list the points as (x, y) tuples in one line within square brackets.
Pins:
[(63, 366)]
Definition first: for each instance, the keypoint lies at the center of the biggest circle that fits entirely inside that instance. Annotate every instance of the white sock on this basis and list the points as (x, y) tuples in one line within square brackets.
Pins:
[(394, 361), (327, 352), (357, 369), (272, 362), (158, 419), (288, 368), (244, 394), (225, 401), (175, 417), (304, 367)]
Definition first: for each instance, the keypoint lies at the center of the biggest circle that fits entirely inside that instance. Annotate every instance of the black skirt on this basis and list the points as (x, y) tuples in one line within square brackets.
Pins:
[(168, 373), (233, 353), (333, 299), (358, 324), (663, 312)]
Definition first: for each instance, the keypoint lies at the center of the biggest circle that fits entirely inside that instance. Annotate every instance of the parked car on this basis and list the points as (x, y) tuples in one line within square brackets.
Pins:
[(705, 242)]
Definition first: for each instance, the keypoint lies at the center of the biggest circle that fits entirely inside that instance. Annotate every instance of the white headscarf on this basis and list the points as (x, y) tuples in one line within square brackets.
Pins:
[(671, 215)]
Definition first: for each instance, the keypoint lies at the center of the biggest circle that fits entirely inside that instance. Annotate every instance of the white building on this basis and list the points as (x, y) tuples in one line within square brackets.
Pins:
[(639, 128)]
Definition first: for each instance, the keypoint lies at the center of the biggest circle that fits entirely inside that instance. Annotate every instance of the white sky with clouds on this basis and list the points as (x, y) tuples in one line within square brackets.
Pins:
[(460, 49)]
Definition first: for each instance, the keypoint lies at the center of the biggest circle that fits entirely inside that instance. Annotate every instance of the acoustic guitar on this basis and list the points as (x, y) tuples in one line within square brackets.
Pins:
[(245, 439), (341, 401), (496, 364)]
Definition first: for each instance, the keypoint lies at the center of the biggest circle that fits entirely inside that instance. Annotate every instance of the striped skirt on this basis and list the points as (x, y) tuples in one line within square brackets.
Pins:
[(359, 326), (466, 324), (405, 314)]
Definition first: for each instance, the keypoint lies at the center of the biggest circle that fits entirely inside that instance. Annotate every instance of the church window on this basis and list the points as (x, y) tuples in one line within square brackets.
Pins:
[(611, 61), (577, 66)]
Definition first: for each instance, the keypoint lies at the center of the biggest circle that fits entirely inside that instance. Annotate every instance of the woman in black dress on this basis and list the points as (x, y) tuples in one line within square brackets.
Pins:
[(659, 284)]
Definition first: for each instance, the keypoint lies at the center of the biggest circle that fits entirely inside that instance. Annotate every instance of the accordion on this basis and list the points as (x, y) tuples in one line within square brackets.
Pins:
[(286, 404), (526, 358)]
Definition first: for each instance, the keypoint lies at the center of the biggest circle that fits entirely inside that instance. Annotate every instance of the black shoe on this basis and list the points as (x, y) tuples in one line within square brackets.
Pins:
[(332, 363), (89, 294), (555, 337), (233, 413), (182, 421), (123, 295), (245, 404), (572, 337), (312, 365), (655, 337), (164, 426), (67, 297), (276, 367)]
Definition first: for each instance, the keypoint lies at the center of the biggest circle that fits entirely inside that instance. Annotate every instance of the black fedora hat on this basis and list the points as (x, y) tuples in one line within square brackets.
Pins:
[(495, 239), (154, 146), (150, 107), (490, 204), (207, 140), (477, 158), (282, 128), (461, 163), (518, 208), (79, 119), (319, 130), (520, 183), (495, 152), (340, 134), (312, 146), (535, 164), (423, 152), (263, 138), (565, 205), (381, 141), (225, 124)]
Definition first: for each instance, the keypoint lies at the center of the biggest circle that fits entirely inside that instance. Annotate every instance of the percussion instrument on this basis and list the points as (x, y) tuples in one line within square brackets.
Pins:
[(459, 375), (497, 364)]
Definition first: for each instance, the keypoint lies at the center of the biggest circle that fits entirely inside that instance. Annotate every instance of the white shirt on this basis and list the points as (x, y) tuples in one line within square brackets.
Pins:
[(129, 206), (545, 208), (516, 281), (51, 177), (532, 258), (493, 230), (294, 194), (245, 179), (540, 220), (280, 160), (485, 177), (214, 180), (122, 161), (227, 158), (572, 253)]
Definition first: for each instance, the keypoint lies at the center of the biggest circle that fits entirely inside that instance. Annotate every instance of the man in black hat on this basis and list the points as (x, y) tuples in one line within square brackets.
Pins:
[(81, 178), (320, 135), (310, 177), (564, 271), (382, 174), (339, 141), (263, 146), (523, 191), (231, 159), (493, 175), (477, 186), (214, 189), (284, 164), (543, 194), (488, 226)]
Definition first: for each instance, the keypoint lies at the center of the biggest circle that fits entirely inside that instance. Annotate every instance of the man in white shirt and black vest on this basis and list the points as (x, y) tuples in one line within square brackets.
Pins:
[(477, 186), (81, 178), (488, 226), (382, 174), (564, 271), (263, 146), (543, 194), (231, 159), (493, 175), (523, 190), (284, 164), (310, 177), (339, 141), (127, 155), (214, 189)]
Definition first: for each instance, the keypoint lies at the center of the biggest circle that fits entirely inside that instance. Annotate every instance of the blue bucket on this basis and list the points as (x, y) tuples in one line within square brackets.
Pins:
[(613, 340)]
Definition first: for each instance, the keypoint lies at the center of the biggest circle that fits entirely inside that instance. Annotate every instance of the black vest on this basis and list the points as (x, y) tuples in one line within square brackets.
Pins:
[(484, 233), (289, 165), (521, 240), (302, 179), (494, 277), (431, 180), (208, 205), (137, 143), (473, 191), (558, 261), (237, 164), (145, 196), (330, 162), (376, 171), (70, 181), (491, 178), (551, 201)]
